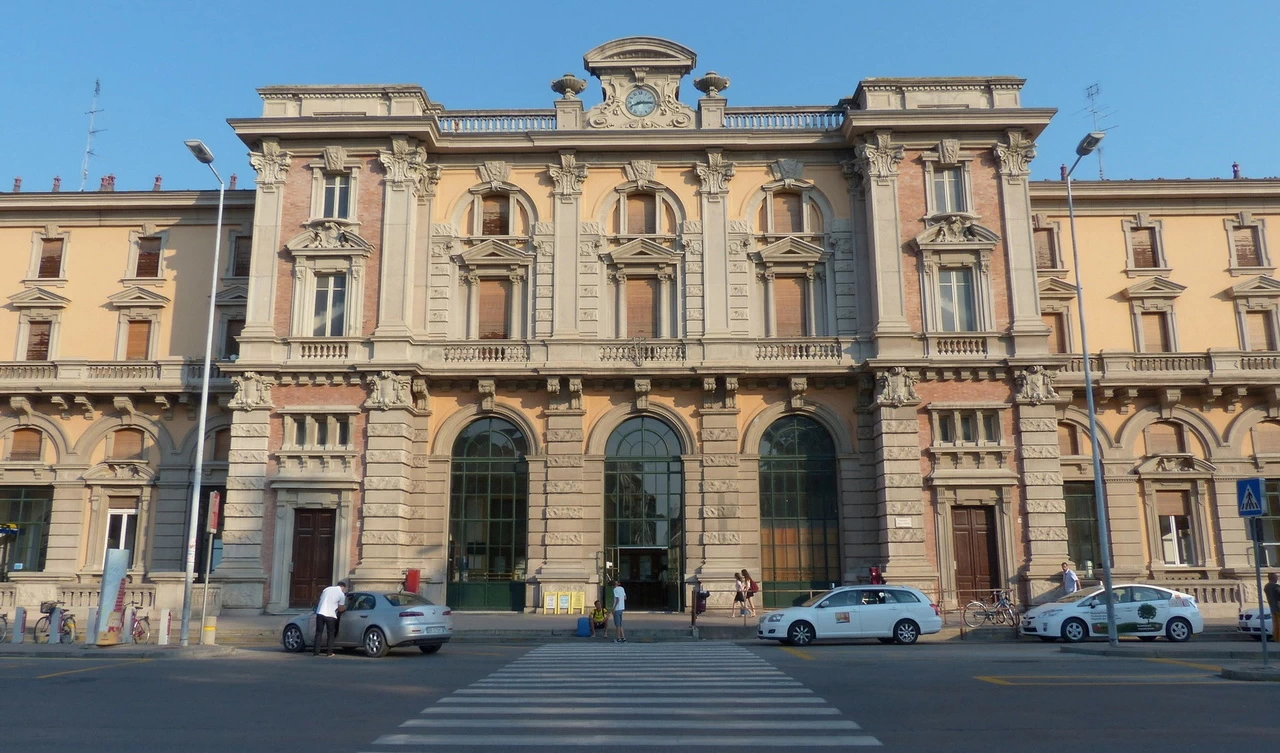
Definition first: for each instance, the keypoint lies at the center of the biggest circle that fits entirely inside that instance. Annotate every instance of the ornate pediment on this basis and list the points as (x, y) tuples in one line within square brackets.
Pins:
[(639, 52), (1254, 287), (642, 251), (791, 251), (1056, 289), (956, 230), (1176, 464), (233, 295), (494, 252), (133, 472), (641, 78), (332, 236), (38, 298), (1155, 287), (138, 298)]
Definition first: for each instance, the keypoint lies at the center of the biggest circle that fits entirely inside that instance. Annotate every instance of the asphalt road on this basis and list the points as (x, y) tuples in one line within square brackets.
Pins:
[(636, 697)]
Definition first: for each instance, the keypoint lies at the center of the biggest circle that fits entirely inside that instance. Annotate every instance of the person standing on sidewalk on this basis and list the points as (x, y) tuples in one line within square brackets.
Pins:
[(1070, 581), (752, 588), (739, 595), (619, 606), (333, 600), (1272, 592)]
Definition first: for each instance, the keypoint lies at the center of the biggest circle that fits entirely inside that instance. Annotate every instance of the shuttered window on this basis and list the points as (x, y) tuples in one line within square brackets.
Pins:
[(1046, 253), (50, 258), (221, 445), (642, 214), (1155, 332), (24, 445), (148, 258), (1246, 243), (230, 338), (1057, 324), (1143, 242), (1266, 438), (138, 345), (788, 213), (495, 215), (126, 444), (1172, 503), (1164, 439), (38, 340), (240, 254), (495, 308), (642, 307), (789, 306), (1068, 440), (1262, 333)]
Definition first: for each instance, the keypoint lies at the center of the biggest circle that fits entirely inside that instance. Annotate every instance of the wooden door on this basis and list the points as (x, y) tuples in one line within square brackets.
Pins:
[(973, 531), (312, 556)]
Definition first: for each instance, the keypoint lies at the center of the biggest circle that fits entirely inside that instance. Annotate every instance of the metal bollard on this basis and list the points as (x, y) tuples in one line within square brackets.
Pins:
[(210, 631), (55, 625), (91, 627), (166, 616), (19, 625)]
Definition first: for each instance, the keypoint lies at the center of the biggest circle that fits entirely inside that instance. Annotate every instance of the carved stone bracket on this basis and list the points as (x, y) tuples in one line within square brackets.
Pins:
[(799, 385), (641, 387), (1035, 386), (253, 392), (895, 387), (388, 390), (21, 406), (124, 406), (60, 402), (488, 389), (85, 404)]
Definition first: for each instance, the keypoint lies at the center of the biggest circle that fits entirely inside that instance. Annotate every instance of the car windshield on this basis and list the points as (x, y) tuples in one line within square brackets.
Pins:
[(403, 599), (1077, 596), (815, 599)]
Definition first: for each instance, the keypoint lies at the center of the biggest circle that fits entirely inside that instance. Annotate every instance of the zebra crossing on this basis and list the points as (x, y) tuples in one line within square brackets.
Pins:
[(629, 697)]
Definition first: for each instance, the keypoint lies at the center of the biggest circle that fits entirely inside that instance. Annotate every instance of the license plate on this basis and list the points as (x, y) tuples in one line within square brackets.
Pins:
[(433, 630)]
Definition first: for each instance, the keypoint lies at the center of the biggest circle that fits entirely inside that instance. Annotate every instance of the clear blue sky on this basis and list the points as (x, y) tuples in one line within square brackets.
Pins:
[(1192, 86)]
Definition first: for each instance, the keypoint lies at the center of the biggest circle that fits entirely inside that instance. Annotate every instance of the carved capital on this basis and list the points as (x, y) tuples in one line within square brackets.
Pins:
[(270, 162), (1015, 156), (877, 160), (715, 174), (407, 167), (568, 176)]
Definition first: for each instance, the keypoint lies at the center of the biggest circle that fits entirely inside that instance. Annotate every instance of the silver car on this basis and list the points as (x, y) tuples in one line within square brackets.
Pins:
[(378, 622)]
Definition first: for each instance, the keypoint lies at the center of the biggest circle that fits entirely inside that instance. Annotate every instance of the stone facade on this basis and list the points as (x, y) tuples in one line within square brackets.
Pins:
[(492, 345)]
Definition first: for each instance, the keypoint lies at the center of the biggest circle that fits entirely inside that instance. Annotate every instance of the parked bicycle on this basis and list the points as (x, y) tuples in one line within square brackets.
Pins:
[(67, 630), (4, 628), (999, 611), (141, 628)]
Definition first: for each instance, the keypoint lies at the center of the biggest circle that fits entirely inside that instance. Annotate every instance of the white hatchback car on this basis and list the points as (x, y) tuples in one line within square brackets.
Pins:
[(1146, 611), (893, 614)]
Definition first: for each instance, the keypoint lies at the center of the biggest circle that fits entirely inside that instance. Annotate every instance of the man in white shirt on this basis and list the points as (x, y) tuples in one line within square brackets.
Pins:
[(1070, 581), (619, 606), (332, 601)]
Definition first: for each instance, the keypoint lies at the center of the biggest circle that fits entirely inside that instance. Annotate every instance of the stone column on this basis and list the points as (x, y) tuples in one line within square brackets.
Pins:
[(666, 325), (569, 523), (1028, 330), (241, 573), (430, 499), (66, 522), (899, 498), (620, 303), (770, 313), (715, 174), (722, 521), (692, 300), (471, 284), (167, 539), (1125, 513), (409, 181), (567, 177), (1045, 510), (272, 164), (387, 544), (860, 521)]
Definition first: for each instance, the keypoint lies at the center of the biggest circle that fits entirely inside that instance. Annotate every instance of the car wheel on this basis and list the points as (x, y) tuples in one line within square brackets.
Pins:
[(434, 647), (1178, 630), (1147, 638), (1047, 638), (375, 643), (293, 640), (885, 640), (800, 633), (906, 632), (1074, 630)]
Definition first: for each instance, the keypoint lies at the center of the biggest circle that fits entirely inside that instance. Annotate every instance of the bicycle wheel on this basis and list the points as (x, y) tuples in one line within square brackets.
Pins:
[(1007, 613), (68, 629), (42, 630), (998, 616), (142, 630), (4, 628), (975, 614)]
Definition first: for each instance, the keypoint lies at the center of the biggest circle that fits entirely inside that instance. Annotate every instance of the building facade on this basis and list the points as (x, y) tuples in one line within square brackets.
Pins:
[(527, 350)]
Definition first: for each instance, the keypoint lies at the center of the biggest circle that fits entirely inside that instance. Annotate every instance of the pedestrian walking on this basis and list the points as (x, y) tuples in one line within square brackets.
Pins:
[(1272, 592), (619, 606), (739, 595), (333, 601), (1070, 581), (752, 588)]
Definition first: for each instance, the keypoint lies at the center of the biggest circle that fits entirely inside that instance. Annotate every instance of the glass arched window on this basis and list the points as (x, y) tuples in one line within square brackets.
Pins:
[(488, 517), (799, 518), (643, 512)]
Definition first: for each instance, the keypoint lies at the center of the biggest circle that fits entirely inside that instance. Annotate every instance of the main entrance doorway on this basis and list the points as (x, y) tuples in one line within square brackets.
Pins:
[(973, 532), (643, 509), (312, 555)]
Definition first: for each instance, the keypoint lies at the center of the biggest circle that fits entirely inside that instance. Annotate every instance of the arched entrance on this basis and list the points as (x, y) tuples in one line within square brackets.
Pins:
[(488, 517), (643, 509), (799, 518)]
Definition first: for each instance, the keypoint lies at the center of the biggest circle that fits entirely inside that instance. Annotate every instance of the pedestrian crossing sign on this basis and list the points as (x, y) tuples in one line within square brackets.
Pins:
[(1249, 497)]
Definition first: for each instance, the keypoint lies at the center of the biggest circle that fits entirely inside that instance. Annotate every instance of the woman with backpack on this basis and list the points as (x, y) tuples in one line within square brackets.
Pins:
[(750, 590), (739, 595)]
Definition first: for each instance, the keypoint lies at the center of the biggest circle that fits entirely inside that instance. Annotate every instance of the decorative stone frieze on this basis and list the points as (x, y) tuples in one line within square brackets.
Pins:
[(719, 435), (1046, 533), (561, 539), (564, 435), (562, 487), (564, 513), (1038, 424), (1046, 506), (721, 537), (720, 511), (720, 460), (906, 535), (720, 486), (564, 461)]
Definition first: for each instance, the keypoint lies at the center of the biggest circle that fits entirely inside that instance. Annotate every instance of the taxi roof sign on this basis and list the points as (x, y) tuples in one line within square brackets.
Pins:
[(1249, 497)]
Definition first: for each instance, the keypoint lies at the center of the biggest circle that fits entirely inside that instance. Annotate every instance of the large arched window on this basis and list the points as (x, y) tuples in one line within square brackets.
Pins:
[(643, 512), (799, 518), (488, 517)]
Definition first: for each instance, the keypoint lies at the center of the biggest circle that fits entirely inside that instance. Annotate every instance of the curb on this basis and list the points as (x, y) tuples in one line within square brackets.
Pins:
[(111, 652), (1252, 673), (1159, 653)]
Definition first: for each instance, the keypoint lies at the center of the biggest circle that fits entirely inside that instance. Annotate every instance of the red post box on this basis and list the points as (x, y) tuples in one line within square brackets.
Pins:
[(412, 579)]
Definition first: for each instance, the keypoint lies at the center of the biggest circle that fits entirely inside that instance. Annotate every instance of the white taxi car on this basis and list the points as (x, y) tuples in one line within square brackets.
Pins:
[(1146, 611), (894, 614)]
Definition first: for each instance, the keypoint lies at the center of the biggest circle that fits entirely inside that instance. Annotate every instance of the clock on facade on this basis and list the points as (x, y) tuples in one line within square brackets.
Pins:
[(641, 102)]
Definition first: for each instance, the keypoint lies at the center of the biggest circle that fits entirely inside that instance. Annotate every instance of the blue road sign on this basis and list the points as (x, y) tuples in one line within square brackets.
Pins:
[(1249, 497)]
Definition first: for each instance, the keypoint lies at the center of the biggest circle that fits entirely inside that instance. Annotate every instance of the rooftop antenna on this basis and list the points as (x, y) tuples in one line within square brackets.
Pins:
[(1098, 113), (88, 144)]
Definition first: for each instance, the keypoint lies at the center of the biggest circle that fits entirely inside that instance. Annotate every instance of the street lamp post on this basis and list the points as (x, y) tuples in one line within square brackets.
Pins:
[(201, 153), (1086, 146)]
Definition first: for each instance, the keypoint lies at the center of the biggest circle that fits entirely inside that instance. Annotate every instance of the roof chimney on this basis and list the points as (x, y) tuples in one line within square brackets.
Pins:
[(17, 185), (156, 186), (57, 183), (1062, 171), (233, 182), (1235, 170), (102, 185)]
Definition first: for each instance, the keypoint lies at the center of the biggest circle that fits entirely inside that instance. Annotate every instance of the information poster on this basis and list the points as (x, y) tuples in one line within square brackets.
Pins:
[(111, 600)]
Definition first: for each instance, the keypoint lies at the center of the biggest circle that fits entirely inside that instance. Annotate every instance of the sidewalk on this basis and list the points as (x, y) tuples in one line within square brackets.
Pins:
[(31, 650), (1205, 646)]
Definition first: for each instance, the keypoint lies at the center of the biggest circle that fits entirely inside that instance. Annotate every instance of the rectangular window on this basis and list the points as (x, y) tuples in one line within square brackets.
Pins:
[(495, 308), (337, 196), (50, 258), (1245, 240), (1056, 321), (1155, 332), (968, 428), (240, 255), (1046, 251), (30, 509), (25, 446), (1082, 524), (344, 431), (1142, 240), (642, 307), (38, 334), (230, 338), (148, 258), (991, 428), (788, 213), (1173, 508), (138, 343), (946, 429), (1068, 440), (642, 214), (789, 306), (322, 431), (126, 444), (495, 215), (221, 445), (1271, 523), (300, 431), (330, 312), (956, 298), (1261, 329), (948, 190), (122, 527), (1165, 438)]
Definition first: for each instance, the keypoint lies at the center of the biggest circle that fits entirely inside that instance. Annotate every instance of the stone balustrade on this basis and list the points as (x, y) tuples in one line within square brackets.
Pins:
[(176, 375), (497, 121), (784, 118), (803, 350)]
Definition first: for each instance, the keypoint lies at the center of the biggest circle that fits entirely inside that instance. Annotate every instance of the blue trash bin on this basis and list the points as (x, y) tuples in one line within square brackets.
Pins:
[(584, 627)]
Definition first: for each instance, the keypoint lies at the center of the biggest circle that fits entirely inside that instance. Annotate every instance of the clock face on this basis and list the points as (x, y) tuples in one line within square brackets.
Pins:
[(641, 102)]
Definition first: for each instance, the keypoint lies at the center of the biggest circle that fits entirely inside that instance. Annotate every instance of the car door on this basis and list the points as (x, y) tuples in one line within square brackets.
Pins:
[(353, 622), (1126, 612), (835, 617), (877, 611), (1151, 609)]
